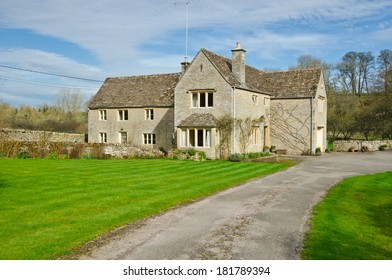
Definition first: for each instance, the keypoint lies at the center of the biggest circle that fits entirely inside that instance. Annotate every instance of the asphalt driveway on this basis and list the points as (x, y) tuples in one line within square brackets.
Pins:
[(262, 219)]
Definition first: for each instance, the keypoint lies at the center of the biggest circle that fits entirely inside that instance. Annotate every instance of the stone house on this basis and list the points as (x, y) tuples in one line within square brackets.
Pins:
[(185, 110)]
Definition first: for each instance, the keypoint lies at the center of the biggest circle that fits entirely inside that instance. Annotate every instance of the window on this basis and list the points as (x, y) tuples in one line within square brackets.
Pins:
[(320, 105), (202, 99), (255, 135), (102, 115), (149, 139), (266, 101), (123, 137), (122, 115), (184, 138), (255, 99), (149, 114), (103, 137), (197, 138)]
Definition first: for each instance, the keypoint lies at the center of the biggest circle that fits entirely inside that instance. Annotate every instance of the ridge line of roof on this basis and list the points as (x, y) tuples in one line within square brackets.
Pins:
[(146, 75)]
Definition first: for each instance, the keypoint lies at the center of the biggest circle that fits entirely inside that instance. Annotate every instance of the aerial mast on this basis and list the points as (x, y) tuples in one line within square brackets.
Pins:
[(187, 24)]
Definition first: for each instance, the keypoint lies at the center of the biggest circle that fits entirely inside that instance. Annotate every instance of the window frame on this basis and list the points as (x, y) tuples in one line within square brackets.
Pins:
[(196, 137), (123, 115), (103, 115), (202, 99), (149, 139), (149, 114), (103, 137)]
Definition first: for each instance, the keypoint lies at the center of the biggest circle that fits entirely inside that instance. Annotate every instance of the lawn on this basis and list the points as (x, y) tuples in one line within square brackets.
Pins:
[(353, 222), (49, 208)]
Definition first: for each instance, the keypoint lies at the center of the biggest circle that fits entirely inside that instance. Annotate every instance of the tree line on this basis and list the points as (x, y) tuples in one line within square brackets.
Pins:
[(359, 91), (68, 113)]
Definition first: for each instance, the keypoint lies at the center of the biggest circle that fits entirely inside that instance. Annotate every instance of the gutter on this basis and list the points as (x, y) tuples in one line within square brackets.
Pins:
[(234, 116)]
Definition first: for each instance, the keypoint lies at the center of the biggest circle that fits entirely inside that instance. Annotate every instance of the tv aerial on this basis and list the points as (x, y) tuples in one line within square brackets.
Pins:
[(187, 23)]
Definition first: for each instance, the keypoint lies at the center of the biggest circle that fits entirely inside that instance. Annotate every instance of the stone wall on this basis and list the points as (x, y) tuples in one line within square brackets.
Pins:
[(345, 145), (23, 135)]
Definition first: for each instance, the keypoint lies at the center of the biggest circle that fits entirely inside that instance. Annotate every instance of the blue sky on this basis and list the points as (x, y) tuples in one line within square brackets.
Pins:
[(102, 38)]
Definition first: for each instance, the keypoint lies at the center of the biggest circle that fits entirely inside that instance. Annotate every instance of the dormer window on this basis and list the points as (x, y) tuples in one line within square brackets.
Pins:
[(202, 99)]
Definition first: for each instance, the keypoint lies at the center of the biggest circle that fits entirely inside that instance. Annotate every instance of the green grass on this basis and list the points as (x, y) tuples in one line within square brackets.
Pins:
[(50, 208), (353, 222)]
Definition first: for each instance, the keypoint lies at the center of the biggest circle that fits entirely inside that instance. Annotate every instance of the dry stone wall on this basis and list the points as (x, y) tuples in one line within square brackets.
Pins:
[(23, 135), (346, 145)]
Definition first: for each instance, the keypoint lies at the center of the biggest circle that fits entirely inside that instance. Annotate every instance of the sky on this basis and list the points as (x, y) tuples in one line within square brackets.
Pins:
[(93, 40)]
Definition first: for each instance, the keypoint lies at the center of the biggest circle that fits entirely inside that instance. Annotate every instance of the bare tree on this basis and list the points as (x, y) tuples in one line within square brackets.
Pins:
[(69, 101), (384, 61), (354, 72)]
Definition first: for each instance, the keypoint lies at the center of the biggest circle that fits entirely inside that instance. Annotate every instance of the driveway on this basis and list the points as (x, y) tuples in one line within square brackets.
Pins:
[(262, 219)]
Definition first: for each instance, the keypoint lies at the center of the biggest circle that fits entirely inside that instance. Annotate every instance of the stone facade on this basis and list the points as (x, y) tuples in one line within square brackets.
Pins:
[(286, 109), (299, 125), (134, 128), (37, 136)]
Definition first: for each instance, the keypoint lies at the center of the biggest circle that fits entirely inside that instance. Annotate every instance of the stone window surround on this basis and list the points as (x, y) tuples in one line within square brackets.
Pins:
[(103, 137), (122, 115), (149, 114), (196, 137), (203, 98), (103, 115), (149, 138)]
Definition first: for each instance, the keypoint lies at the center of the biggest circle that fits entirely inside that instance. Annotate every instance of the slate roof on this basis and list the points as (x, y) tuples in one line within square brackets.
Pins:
[(284, 84), (224, 66), (199, 119), (292, 84), (158, 90), (136, 91)]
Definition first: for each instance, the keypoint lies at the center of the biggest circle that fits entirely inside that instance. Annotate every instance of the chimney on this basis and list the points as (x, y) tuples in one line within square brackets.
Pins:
[(238, 63), (184, 66)]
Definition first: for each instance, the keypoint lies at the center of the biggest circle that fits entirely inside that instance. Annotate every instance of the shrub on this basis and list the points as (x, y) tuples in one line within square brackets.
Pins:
[(191, 152), (202, 155), (237, 157), (383, 147), (23, 155)]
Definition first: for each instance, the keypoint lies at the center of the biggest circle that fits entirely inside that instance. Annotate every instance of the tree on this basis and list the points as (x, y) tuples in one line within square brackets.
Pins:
[(69, 102), (384, 62), (354, 72), (307, 62), (341, 118)]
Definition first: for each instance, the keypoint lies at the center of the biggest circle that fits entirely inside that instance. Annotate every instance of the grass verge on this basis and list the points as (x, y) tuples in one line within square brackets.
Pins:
[(353, 222), (49, 208)]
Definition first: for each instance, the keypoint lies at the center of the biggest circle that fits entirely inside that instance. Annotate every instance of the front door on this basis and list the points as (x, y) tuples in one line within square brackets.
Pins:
[(320, 138)]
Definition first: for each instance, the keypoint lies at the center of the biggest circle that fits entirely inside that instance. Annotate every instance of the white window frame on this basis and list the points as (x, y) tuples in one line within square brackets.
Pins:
[(122, 115), (103, 137), (149, 138), (202, 99), (188, 133), (149, 114), (103, 116)]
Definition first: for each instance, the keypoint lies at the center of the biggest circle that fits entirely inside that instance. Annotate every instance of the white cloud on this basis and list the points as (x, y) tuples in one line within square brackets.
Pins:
[(139, 37)]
